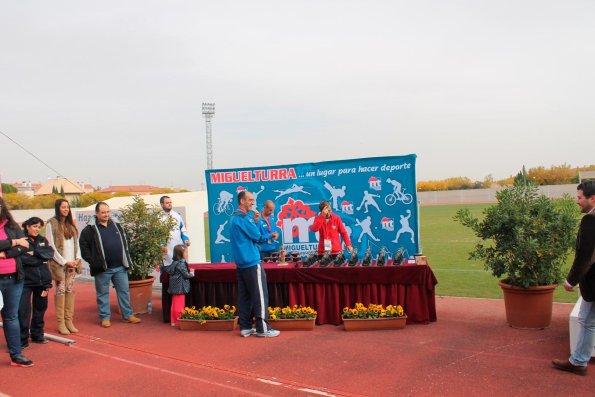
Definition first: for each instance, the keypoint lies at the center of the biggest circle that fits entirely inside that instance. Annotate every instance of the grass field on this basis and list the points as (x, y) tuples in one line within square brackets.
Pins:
[(447, 244)]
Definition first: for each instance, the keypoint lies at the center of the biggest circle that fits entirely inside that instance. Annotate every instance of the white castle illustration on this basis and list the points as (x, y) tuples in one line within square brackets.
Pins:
[(388, 224), (375, 183), (347, 207)]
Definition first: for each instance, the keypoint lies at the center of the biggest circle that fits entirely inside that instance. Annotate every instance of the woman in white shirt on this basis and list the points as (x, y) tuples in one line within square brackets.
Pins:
[(63, 236)]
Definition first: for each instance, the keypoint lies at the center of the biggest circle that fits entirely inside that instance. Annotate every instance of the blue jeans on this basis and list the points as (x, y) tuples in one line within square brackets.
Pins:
[(119, 277), (11, 289), (586, 335)]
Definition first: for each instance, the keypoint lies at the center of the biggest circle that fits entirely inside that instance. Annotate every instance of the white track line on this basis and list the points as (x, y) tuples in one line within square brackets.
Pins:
[(202, 380)]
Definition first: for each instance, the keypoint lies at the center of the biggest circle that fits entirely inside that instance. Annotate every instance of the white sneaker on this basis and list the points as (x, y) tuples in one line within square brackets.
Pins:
[(247, 332), (271, 333)]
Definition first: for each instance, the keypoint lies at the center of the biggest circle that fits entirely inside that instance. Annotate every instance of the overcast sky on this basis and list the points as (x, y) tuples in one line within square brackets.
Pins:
[(110, 92)]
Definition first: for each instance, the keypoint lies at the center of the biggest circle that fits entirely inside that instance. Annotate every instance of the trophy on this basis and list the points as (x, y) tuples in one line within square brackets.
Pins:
[(311, 259), (339, 259), (398, 257), (282, 253), (381, 261), (367, 257), (326, 259), (353, 260)]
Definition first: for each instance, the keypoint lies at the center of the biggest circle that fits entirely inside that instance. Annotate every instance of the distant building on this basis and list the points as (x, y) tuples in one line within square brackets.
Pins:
[(62, 186), (26, 188), (87, 187), (134, 189)]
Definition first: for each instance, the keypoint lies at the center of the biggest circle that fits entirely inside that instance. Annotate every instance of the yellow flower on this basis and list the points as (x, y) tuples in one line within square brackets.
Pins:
[(373, 311), (294, 312)]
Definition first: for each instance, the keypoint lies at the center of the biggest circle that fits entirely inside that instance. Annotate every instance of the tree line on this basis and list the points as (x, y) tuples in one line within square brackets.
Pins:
[(18, 201), (554, 175)]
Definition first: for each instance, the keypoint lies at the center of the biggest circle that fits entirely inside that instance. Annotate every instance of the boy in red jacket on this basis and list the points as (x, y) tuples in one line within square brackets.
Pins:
[(329, 226)]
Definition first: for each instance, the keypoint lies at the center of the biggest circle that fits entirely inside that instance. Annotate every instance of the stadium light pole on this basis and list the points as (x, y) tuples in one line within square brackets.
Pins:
[(208, 111)]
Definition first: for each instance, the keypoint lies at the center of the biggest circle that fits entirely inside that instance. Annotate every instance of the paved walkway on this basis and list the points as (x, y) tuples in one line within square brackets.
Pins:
[(469, 351)]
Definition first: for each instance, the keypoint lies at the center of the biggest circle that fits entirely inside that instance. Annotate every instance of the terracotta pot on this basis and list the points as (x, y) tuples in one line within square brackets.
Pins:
[(293, 324), (528, 308), (371, 324), (209, 325), (141, 292), (189, 325)]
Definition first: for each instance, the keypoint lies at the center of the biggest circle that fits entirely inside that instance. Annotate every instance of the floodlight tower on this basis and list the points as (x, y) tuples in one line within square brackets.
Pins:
[(208, 110)]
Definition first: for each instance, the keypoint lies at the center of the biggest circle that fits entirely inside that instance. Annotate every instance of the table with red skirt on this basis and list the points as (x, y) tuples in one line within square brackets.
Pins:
[(328, 290)]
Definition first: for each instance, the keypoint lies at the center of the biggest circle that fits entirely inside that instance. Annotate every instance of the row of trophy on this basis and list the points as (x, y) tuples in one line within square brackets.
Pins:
[(340, 259), (283, 257)]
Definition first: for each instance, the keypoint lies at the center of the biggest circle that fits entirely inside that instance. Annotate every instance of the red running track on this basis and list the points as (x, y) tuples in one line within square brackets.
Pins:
[(469, 351)]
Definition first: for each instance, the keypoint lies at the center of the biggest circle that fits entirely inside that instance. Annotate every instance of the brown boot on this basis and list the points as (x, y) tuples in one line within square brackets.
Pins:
[(133, 320), (566, 365), (59, 302), (69, 312)]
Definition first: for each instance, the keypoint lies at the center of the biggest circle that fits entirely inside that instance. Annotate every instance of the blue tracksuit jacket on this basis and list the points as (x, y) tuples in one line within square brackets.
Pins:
[(264, 230), (245, 235)]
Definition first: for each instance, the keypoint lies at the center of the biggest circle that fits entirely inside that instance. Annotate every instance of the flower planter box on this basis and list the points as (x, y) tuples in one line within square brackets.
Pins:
[(371, 324), (209, 325), (293, 324)]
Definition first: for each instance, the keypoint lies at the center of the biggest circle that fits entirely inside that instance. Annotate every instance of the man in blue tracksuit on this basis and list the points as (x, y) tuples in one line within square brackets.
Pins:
[(253, 295), (267, 226)]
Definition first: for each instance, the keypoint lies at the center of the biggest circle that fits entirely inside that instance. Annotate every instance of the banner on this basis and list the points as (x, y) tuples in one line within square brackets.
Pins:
[(375, 198)]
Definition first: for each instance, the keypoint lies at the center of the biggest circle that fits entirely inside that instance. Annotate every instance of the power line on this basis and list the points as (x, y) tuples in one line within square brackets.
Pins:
[(33, 155), (59, 174)]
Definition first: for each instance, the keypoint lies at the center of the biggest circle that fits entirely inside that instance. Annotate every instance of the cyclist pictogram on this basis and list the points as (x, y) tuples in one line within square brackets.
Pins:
[(398, 194)]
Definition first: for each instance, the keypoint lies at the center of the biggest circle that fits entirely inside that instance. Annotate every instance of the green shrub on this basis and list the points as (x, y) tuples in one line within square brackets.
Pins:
[(148, 231), (525, 237)]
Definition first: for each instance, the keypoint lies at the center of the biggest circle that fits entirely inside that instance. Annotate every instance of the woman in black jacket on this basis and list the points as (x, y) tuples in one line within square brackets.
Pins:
[(38, 281), (11, 283)]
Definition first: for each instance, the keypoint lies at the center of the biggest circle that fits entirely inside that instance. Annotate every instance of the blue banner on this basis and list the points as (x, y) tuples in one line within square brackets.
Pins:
[(375, 198)]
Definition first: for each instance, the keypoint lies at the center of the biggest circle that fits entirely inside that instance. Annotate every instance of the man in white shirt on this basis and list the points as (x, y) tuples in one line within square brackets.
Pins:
[(178, 235)]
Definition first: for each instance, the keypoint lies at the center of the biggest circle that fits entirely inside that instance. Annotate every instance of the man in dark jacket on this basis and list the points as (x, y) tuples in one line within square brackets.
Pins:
[(104, 246), (583, 273)]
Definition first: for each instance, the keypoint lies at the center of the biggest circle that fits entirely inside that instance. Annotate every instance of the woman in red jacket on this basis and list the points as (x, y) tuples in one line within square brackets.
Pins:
[(329, 226)]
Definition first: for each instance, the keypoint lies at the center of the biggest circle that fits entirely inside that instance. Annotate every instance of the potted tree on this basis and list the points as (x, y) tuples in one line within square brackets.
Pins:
[(147, 232), (525, 237)]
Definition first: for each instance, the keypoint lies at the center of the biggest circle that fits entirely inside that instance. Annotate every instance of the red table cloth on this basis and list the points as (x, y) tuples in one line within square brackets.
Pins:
[(328, 290)]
